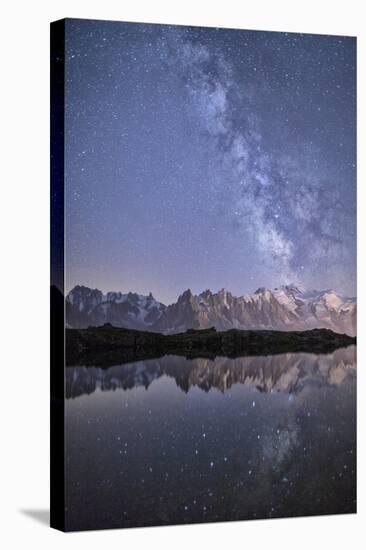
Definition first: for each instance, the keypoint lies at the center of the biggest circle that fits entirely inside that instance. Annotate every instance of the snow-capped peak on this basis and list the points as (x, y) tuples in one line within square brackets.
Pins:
[(85, 307), (286, 307)]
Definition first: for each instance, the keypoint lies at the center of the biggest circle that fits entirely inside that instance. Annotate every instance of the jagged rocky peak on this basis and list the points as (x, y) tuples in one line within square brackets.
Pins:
[(206, 294), (86, 307), (115, 297), (286, 307), (186, 296), (290, 289), (261, 290), (84, 298), (81, 290), (223, 293)]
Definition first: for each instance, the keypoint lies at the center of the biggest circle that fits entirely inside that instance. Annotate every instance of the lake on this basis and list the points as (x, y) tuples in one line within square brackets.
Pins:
[(176, 440)]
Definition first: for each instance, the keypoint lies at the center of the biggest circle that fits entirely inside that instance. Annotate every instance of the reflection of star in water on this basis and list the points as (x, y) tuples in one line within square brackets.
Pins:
[(274, 468)]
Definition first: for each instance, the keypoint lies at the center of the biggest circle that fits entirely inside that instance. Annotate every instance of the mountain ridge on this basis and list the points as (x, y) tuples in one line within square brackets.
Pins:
[(286, 307)]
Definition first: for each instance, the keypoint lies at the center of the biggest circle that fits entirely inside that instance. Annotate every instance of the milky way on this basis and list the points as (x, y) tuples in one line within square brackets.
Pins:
[(208, 158)]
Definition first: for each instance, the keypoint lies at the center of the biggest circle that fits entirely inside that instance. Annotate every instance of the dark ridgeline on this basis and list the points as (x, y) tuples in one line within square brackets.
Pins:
[(108, 345)]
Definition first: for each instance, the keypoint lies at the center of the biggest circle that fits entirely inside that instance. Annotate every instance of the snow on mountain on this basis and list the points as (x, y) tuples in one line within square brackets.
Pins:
[(283, 308), (86, 307)]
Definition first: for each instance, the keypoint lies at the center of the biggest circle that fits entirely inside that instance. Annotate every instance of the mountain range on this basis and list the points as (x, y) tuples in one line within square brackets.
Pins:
[(283, 308)]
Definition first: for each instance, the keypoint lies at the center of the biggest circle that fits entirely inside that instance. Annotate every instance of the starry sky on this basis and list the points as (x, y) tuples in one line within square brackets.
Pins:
[(208, 158)]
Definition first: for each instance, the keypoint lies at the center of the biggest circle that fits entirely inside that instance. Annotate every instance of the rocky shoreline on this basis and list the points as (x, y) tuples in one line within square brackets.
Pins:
[(111, 345)]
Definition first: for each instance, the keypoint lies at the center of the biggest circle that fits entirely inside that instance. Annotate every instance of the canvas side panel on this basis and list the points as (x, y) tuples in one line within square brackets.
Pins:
[(57, 496)]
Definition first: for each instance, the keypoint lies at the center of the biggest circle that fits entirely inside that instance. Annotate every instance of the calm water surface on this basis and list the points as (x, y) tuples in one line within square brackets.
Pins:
[(173, 440)]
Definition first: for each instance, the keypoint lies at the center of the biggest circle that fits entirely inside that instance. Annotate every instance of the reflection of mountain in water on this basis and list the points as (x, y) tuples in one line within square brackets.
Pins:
[(289, 372)]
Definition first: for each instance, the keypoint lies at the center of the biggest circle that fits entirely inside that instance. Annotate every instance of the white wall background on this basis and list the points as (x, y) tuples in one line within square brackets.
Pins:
[(24, 233)]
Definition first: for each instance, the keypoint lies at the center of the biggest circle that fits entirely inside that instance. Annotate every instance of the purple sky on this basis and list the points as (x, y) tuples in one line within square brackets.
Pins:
[(208, 158)]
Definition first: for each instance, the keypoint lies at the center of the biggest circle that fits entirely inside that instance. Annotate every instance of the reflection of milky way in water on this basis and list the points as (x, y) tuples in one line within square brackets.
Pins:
[(269, 437)]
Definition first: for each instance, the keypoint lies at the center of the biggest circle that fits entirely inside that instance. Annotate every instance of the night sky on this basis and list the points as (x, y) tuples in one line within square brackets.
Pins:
[(208, 158)]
